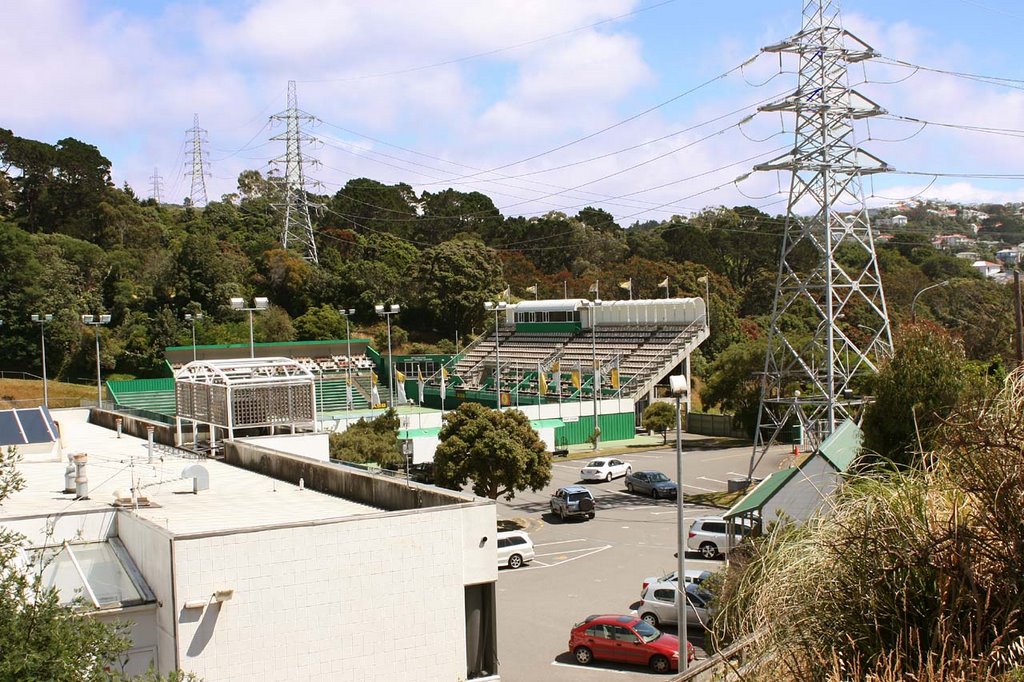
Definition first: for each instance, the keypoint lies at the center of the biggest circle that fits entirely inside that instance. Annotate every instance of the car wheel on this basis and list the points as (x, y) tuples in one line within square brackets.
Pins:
[(629, 487), (590, 515), (655, 494), (515, 561), (561, 514), (584, 656), (660, 664), (608, 478), (650, 619), (629, 470), (708, 550)]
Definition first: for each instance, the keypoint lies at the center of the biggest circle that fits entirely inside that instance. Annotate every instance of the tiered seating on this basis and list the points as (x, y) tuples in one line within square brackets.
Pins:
[(332, 396), (162, 402)]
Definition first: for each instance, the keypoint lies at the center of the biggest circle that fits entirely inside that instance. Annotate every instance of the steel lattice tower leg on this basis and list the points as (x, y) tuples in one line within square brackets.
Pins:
[(298, 227), (198, 172), (156, 187), (827, 264)]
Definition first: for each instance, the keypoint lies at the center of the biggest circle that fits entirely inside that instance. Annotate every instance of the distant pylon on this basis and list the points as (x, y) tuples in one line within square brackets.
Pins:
[(156, 187), (298, 227), (827, 262), (197, 171)]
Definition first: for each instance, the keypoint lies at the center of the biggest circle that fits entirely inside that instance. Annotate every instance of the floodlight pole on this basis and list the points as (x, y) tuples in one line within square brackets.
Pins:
[(387, 313), (595, 384), (42, 320), (95, 321), (681, 599), (259, 303), (192, 318), (346, 312), (496, 307)]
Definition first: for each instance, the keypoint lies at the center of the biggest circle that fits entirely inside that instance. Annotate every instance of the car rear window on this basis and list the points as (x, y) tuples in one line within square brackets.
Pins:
[(576, 497)]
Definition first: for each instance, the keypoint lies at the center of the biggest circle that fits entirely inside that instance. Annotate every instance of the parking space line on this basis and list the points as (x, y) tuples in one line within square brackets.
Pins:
[(697, 487), (558, 542), (591, 669), (713, 480), (589, 552), (572, 551)]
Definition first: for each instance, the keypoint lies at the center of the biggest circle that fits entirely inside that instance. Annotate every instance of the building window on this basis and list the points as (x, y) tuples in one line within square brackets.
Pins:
[(481, 636)]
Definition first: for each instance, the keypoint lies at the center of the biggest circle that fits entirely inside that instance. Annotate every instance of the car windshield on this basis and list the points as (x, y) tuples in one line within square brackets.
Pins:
[(647, 632), (597, 463), (658, 477)]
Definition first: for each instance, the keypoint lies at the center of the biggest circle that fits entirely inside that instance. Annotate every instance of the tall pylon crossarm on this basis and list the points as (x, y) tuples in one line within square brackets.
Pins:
[(828, 268)]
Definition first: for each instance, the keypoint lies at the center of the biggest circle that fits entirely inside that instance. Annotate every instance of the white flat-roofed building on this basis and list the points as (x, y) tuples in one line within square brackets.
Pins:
[(237, 575)]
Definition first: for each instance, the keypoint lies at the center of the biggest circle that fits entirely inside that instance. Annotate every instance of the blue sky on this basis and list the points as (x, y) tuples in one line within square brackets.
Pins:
[(433, 93)]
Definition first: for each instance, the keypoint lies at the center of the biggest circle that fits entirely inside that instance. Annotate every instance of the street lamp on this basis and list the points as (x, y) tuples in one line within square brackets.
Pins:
[(192, 318), (387, 313), (677, 386), (258, 303), (346, 313), (95, 321), (913, 303), (707, 299), (42, 320), (500, 306)]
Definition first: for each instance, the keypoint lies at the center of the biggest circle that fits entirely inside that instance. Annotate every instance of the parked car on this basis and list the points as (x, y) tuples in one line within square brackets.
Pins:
[(625, 639), (658, 604), (515, 548), (653, 483), (605, 469), (695, 576), (709, 535), (573, 500)]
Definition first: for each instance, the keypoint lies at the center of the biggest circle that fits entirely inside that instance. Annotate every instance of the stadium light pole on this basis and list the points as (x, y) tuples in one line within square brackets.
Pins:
[(95, 321), (677, 386), (500, 306), (595, 384), (258, 303), (346, 313), (192, 318), (42, 320), (387, 312)]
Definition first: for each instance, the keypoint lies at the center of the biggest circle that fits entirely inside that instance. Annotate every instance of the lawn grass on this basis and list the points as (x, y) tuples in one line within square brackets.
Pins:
[(23, 393)]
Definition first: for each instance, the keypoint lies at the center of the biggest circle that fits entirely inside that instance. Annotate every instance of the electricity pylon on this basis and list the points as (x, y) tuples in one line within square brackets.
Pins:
[(156, 186), (827, 265), (198, 171), (298, 227)]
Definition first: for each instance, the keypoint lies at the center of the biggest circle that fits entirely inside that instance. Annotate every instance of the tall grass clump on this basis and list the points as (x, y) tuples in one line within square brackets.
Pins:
[(910, 574)]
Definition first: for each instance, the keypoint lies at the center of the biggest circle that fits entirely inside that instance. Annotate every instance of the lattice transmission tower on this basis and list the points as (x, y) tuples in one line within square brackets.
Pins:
[(156, 185), (198, 168), (297, 232), (827, 265)]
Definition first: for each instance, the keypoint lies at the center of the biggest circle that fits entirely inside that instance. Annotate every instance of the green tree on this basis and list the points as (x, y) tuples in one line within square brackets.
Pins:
[(659, 417), (453, 280), (922, 383), (373, 441), (733, 382), (499, 452)]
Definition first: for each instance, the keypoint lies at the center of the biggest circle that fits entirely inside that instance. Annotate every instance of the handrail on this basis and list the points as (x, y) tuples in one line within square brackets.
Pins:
[(645, 370), (717, 661)]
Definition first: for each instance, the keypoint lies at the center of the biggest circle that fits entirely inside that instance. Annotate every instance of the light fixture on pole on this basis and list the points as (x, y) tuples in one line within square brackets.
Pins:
[(95, 321), (387, 312), (192, 318), (42, 320), (500, 306), (913, 303), (258, 303), (707, 299), (677, 386), (347, 313)]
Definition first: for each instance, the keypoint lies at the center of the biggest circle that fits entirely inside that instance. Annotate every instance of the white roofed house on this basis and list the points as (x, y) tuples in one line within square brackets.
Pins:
[(262, 565), (987, 268)]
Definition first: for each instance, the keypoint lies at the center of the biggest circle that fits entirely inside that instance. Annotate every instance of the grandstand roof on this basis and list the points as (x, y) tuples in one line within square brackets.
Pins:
[(548, 305)]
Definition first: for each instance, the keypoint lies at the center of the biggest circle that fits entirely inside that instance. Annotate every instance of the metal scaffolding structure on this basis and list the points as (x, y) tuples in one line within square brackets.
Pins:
[(197, 170), (827, 262)]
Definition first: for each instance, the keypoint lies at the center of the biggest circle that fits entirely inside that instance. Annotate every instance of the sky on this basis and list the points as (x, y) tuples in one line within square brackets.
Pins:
[(639, 107)]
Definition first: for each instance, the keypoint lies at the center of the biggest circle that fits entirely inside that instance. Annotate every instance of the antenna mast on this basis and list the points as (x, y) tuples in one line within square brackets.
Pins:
[(827, 263), (298, 227)]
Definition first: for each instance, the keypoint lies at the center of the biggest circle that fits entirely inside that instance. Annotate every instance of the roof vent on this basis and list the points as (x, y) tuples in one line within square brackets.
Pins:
[(199, 475)]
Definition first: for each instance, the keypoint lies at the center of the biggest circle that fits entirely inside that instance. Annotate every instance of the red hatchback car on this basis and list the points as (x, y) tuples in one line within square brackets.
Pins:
[(625, 639)]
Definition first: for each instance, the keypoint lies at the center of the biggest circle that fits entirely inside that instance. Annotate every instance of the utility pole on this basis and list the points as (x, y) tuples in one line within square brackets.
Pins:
[(156, 187), (813, 382), (198, 170), (298, 227)]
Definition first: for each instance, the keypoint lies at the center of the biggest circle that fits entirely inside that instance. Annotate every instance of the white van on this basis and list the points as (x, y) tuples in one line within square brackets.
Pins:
[(515, 548)]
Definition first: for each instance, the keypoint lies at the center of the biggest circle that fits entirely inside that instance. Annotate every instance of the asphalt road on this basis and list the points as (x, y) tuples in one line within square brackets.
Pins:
[(597, 566)]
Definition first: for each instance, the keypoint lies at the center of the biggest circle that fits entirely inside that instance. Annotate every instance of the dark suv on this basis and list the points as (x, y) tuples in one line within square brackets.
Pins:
[(572, 500)]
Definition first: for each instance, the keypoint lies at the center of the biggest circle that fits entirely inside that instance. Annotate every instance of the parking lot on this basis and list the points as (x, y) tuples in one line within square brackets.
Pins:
[(597, 566)]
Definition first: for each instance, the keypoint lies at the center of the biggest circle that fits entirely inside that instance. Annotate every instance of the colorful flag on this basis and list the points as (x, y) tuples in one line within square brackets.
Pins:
[(556, 377), (444, 382), (664, 282), (576, 378), (532, 290), (542, 381), (419, 381), (400, 387), (615, 375), (374, 393), (628, 284)]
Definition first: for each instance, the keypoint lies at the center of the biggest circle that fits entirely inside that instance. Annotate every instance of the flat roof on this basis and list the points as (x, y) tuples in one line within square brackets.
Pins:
[(237, 499)]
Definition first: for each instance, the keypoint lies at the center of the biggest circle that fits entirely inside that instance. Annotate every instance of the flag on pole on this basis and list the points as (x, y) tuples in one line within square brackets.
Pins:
[(556, 377), (532, 290), (419, 382), (507, 294), (444, 382), (400, 387), (542, 381), (615, 375), (576, 378), (664, 283), (593, 287), (348, 394), (628, 284), (374, 393)]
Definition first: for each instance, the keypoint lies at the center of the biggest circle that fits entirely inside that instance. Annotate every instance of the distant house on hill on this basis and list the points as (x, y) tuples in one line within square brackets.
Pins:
[(987, 268)]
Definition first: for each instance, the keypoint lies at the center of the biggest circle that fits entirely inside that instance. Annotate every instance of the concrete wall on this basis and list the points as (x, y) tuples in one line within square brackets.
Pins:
[(312, 445), (365, 598), (134, 426)]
